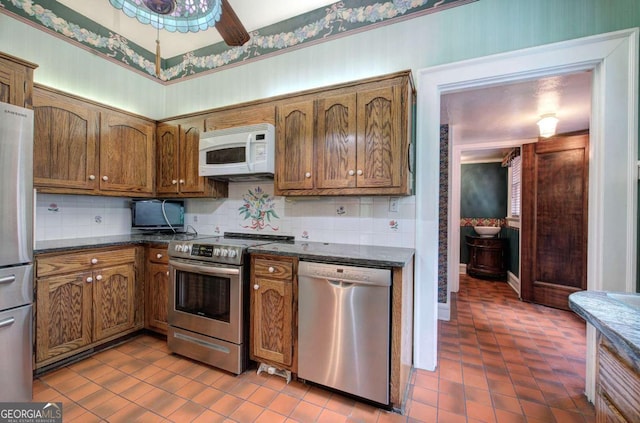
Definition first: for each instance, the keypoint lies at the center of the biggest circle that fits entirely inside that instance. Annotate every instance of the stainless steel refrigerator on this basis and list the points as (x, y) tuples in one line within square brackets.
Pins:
[(16, 253)]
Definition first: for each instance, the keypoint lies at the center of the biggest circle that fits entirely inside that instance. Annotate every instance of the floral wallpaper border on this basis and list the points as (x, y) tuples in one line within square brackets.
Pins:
[(317, 26)]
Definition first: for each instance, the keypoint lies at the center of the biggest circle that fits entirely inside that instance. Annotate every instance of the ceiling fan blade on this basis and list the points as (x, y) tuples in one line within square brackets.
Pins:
[(230, 28)]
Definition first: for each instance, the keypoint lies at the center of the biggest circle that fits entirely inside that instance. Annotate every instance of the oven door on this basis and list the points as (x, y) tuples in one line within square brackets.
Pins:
[(206, 298)]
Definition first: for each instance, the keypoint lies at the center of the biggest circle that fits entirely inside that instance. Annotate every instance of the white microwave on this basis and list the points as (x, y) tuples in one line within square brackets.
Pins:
[(240, 153)]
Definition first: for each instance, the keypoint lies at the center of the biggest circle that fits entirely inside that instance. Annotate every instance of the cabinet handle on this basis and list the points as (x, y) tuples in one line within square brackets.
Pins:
[(307, 175), (94, 261), (360, 172), (105, 178), (89, 279), (271, 269), (158, 256), (99, 277), (174, 181), (182, 181), (92, 177), (351, 172), (256, 287)]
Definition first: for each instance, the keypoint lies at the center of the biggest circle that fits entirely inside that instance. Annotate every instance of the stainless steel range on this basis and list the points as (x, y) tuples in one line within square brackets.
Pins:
[(209, 298)]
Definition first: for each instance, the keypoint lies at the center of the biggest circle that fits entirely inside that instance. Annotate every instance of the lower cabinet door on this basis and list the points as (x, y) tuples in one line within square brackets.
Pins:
[(114, 300), (63, 318), (157, 297)]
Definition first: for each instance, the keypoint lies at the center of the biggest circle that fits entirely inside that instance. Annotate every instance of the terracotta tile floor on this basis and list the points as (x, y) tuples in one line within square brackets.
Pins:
[(500, 360)]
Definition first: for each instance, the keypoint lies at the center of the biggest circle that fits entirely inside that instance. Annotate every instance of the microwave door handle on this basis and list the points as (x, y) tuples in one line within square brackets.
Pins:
[(248, 154)]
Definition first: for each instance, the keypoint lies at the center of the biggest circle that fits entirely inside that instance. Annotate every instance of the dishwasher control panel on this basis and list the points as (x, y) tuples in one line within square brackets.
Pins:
[(345, 273)]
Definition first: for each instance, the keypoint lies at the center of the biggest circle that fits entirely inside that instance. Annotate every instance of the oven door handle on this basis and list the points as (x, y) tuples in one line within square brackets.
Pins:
[(195, 268)]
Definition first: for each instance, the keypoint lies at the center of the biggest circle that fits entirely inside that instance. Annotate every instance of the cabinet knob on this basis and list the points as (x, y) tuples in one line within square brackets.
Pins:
[(182, 181), (167, 273), (92, 177), (307, 175), (360, 172), (99, 277), (174, 181), (89, 279), (271, 269), (94, 261), (158, 256), (351, 172), (256, 287), (105, 178)]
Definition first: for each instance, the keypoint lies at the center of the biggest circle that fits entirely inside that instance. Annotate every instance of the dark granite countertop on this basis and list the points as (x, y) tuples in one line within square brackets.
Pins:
[(69, 244), (363, 255), (618, 321), (359, 255)]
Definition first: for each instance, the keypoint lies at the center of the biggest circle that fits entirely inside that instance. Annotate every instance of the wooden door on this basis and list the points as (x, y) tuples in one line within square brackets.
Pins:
[(554, 219), (336, 141), (157, 296), (294, 146), (167, 159), (379, 137), (114, 299), (65, 142), (126, 154), (63, 314), (190, 180), (271, 309)]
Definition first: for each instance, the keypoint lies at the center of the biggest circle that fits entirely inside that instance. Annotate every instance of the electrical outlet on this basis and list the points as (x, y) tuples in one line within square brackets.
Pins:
[(195, 218), (393, 204)]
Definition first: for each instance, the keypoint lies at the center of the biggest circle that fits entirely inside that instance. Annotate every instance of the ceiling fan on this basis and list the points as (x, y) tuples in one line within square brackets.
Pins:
[(229, 26)]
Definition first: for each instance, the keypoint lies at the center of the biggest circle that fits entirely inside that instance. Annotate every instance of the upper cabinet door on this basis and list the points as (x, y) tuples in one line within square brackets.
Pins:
[(65, 139), (336, 142), (126, 153), (16, 81), (379, 137), (294, 146), (167, 160), (190, 180)]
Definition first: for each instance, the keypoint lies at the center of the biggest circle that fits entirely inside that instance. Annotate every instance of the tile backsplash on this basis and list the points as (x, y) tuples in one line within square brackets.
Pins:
[(251, 207)]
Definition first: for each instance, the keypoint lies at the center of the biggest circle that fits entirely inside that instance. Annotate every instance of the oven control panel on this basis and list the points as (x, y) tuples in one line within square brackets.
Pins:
[(207, 252)]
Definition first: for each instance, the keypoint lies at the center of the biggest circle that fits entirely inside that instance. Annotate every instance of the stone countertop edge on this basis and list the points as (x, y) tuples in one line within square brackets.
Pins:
[(618, 322), (348, 254), (70, 244)]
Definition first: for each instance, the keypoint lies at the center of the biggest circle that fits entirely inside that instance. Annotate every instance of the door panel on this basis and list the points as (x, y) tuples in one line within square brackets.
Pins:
[(554, 219)]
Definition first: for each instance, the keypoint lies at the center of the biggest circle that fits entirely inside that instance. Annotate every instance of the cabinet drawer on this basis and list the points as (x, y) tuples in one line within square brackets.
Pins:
[(273, 269), (618, 383), (82, 261), (158, 255)]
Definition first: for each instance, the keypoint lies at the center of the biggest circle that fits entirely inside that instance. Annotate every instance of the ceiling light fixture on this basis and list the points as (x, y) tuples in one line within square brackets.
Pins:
[(547, 125), (173, 15)]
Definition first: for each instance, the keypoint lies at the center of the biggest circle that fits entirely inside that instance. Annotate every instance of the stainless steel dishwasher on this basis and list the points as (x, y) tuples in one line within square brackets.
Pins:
[(344, 329)]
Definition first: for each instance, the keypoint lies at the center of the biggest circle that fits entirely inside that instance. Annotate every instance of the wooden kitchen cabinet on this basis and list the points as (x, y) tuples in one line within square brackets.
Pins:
[(85, 298), (16, 81), (273, 310), (82, 147), (126, 153), (157, 289), (487, 257), (348, 140), (294, 146), (177, 155), (617, 384), (65, 142)]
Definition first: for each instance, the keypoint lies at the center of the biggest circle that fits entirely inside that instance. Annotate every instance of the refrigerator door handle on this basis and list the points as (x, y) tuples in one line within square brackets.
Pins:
[(8, 279), (7, 322)]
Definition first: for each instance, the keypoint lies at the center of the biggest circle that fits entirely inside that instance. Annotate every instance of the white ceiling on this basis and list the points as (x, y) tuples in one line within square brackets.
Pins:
[(252, 13), (510, 111)]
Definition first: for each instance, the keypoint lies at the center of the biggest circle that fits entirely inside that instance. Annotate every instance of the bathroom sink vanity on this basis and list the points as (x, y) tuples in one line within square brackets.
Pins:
[(487, 257)]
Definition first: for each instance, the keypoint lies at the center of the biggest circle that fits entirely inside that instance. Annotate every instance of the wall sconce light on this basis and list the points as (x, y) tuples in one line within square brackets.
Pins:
[(547, 125)]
